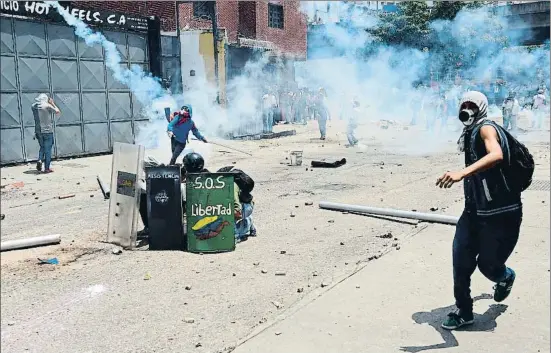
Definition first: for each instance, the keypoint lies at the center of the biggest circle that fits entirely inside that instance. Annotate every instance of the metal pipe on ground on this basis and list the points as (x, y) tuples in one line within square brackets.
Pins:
[(429, 217), (30, 242), (104, 188)]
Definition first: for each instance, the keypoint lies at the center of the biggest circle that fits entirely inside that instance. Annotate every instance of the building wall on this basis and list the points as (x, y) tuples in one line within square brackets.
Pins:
[(206, 50), (290, 40), (228, 18), (165, 10), (198, 55)]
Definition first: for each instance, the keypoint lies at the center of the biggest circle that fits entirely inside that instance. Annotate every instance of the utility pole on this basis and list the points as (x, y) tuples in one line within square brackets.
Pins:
[(215, 43), (179, 44)]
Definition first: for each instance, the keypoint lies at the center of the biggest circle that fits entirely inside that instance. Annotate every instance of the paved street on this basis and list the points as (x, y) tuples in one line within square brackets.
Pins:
[(95, 301)]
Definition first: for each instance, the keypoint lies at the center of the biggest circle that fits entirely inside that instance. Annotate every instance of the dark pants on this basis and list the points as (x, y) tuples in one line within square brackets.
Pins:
[(484, 241), (177, 148)]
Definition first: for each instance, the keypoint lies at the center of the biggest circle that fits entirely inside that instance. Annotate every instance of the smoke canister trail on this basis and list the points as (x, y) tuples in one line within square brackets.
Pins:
[(144, 86)]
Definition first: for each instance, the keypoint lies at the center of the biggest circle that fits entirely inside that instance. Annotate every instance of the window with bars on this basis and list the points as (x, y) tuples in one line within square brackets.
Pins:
[(275, 16), (203, 9)]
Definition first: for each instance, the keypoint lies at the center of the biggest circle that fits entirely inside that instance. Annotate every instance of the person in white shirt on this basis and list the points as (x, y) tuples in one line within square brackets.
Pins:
[(538, 106), (510, 110), (353, 118), (268, 105)]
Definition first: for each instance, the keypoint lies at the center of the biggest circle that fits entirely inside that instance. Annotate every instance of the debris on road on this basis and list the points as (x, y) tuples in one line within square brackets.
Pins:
[(52, 261), (280, 273), (315, 274), (277, 304), (320, 164), (434, 209), (436, 218), (331, 221), (385, 236), (61, 197), (189, 320), (398, 247), (30, 242), (116, 251), (278, 333), (283, 252), (263, 271), (147, 277), (292, 215), (324, 284), (198, 344), (308, 203), (357, 287), (300, 290), (342, 243), (256, 263), (188, 288), (104, 188), (2, 216)]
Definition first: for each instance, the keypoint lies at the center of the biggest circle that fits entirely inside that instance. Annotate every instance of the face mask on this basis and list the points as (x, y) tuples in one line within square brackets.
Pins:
[(467, 117)]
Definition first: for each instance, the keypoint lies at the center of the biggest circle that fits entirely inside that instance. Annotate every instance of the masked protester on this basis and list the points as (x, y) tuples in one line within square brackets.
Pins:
[(178, 130), (488, 229)]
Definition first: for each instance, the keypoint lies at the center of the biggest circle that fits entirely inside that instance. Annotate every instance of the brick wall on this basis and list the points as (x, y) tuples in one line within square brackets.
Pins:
[(291, 39), (228, 18), (165, 10)]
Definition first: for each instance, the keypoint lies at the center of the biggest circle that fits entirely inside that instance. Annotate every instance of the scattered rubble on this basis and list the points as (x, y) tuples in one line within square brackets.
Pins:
[(61, 197), (280, 273), (189, 320), (188, 288), (434, 209), (300, 290), (277, 304), (324, 284), (385, 236), (278, 333), (283, 252), (263, 271), (308, 203), (116, 250)]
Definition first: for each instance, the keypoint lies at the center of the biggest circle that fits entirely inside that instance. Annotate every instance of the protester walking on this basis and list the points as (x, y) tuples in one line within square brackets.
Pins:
[(42, 108), (178, 130)]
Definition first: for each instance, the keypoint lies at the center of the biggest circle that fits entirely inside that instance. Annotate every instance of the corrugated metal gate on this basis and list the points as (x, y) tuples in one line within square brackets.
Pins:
[(39, 57)]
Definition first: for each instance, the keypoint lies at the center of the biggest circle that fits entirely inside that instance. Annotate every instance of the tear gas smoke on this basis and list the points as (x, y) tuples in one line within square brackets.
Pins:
[(146, 88), (387, 78)]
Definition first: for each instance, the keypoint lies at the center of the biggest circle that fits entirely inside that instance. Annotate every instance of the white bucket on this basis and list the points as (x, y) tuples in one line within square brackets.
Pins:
[(296, 158)]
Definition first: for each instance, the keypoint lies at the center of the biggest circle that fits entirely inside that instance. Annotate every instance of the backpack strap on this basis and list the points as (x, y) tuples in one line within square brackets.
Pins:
[(503, 139)]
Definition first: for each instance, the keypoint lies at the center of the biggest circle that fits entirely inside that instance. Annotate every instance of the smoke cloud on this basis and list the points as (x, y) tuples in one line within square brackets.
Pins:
[(390, 81)]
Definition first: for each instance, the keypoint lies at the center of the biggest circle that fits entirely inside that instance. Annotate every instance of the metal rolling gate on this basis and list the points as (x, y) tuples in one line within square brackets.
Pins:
[(40, 57)]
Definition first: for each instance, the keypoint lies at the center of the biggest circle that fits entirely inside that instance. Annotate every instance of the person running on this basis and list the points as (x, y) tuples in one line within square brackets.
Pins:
[(178, 130), (488, 229)]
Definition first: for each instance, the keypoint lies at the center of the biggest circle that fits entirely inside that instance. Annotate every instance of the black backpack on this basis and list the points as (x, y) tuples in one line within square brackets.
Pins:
[(243, 181), (521, 168)]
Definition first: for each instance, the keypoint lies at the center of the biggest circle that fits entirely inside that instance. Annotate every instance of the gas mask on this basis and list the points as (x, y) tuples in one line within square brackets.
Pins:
[(467, 116)]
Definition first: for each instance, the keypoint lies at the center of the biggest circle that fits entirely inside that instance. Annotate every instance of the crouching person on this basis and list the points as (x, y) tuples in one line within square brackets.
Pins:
[(243, 204)]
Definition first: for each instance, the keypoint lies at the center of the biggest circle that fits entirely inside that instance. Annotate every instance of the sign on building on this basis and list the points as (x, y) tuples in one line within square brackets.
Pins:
[(210, 212), (100, 18)]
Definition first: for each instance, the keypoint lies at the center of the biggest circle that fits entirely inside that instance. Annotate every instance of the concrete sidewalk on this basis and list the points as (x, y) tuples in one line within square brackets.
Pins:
[(398, 302)]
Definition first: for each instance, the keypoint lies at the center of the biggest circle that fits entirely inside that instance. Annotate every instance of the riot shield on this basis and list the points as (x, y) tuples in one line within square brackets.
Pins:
[(164, 208)]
